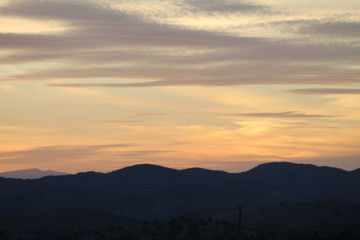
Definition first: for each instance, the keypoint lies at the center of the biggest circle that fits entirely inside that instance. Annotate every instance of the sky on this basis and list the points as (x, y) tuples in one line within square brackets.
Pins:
[(219, 84)]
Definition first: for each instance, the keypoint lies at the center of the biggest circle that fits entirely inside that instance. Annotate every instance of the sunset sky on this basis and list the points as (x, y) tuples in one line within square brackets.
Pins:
[(220, 84)]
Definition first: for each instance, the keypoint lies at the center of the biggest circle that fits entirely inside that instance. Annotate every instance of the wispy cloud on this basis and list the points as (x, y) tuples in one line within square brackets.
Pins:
[(140, 115), (324, 91), (93, 25), (333, 28), (140, 153), (118, 121), (136, 47), (56, 153), (227, 6), (290, 114)]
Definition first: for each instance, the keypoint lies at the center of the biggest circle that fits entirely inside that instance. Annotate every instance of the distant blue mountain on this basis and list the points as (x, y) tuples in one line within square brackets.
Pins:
[(30, 173)]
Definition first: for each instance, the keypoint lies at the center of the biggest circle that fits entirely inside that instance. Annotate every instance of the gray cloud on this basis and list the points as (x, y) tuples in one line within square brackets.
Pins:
[(338, 28), (227, 6), (218, 80), (75, 10), (330, 27), (280, 63), (179, 72), (98, 36), (302, 125), (246, 50), (290, 114), (323, 91), (91, 25)]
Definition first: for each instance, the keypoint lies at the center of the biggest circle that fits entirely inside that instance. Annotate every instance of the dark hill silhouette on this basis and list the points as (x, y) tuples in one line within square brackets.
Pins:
[(144, 175), (155, 176), (196, 175), (289, 214), (325, 220), (154, 192), (145, 169), (356, 172), (293, 220), (288, 169), (65, 219), (290, 175)]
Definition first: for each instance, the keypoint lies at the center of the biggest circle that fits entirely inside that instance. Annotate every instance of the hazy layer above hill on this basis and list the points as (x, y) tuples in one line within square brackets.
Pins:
[(30, 173)]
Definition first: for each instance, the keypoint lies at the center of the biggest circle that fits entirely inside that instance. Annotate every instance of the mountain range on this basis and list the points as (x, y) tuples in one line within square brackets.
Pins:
[(30, 173), (150, 192)]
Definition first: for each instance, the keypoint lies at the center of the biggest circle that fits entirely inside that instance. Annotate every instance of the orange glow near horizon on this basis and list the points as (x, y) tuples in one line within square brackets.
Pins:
[(98, 85)]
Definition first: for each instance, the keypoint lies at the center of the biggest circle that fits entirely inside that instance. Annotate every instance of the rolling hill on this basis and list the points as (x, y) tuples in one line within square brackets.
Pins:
[(153, 192)]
